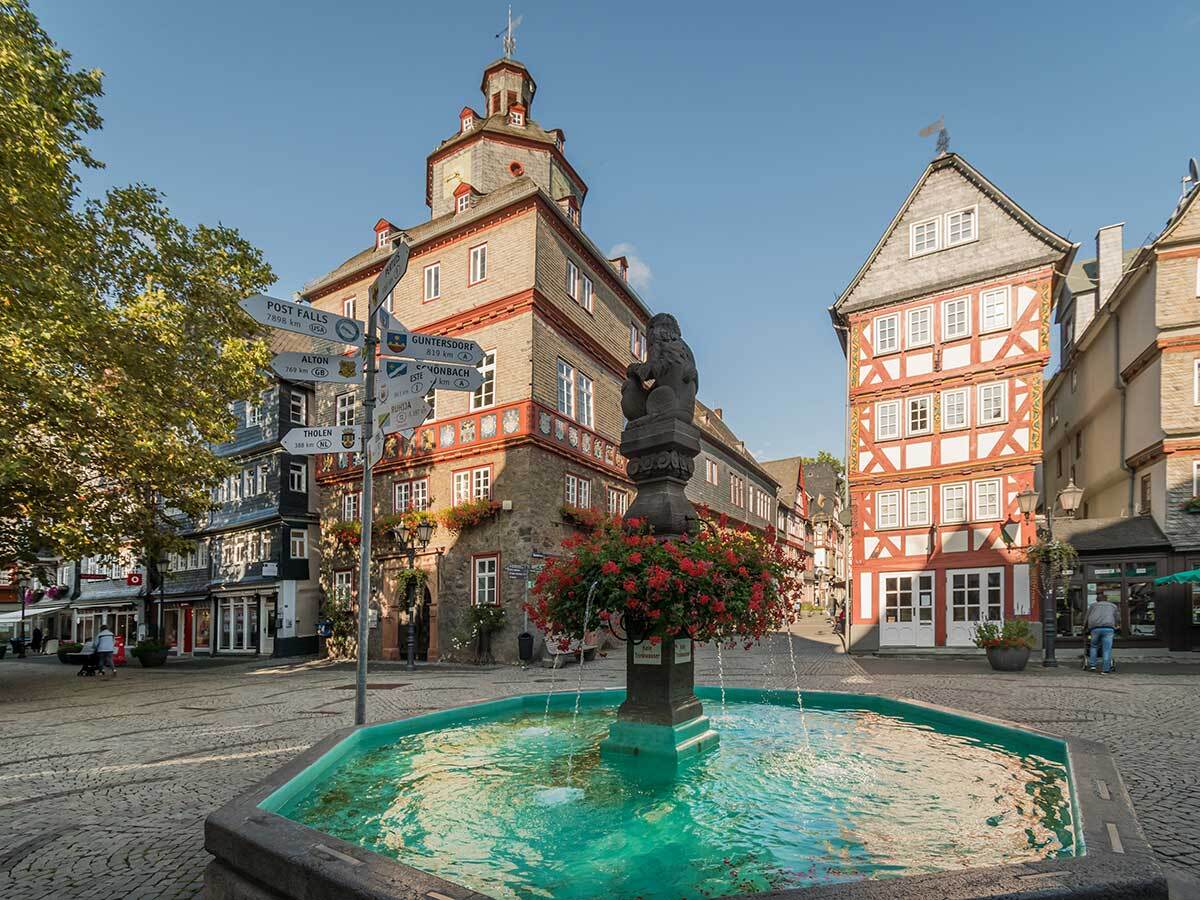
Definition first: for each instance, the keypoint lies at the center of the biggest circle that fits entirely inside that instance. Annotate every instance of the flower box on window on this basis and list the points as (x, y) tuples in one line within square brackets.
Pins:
[(468, 514)]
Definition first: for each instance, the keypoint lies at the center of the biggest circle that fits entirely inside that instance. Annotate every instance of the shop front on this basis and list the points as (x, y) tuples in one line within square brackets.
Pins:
[(120, 617), (185, 625), (245, 623)]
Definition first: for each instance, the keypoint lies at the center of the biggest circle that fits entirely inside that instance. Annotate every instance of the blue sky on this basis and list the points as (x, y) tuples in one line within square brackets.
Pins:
[(748, 155)]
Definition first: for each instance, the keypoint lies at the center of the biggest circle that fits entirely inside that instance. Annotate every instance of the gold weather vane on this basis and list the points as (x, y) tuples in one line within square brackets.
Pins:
[(943, 140), (510, 42)]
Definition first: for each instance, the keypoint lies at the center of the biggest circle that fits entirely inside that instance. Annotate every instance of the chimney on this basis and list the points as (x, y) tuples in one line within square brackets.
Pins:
[(1110, 246), (720, 412)]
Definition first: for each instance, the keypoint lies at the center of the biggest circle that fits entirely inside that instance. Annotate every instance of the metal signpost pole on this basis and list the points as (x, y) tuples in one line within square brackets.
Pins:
[(364, 565), (410, 599), (1049, 598)]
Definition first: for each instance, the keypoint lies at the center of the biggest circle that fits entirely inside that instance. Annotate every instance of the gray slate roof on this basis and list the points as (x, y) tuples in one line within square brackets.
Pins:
[(820, 479), (787, 472), (714, 428), (1100, 535)]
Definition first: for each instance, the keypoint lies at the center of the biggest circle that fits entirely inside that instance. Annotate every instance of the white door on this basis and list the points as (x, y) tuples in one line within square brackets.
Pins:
[(266, 639), (972, 596), (906, 609)]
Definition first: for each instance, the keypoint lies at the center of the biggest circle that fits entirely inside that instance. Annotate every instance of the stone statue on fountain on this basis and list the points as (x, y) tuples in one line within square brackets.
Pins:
[(661, 716)]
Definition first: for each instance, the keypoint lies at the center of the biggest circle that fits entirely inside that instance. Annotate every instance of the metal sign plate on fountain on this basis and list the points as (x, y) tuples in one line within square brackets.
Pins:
[(647, 654)]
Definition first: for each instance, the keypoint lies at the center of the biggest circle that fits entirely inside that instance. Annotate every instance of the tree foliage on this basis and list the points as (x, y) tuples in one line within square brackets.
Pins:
[(119, 330), (824, 456)]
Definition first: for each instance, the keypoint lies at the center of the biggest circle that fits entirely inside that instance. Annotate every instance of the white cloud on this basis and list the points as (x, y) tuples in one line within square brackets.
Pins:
[(640, 275)]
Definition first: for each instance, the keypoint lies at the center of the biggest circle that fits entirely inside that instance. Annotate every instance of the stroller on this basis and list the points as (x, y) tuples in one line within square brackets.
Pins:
[(89, 662)]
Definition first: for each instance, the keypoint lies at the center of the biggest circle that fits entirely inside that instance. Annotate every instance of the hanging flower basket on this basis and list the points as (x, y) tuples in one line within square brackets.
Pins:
[(464, 516), (721, 584), (384, 528)]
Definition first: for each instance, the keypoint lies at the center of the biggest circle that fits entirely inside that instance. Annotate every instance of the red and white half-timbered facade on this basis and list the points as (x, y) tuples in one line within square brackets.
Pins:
[(946, 332)]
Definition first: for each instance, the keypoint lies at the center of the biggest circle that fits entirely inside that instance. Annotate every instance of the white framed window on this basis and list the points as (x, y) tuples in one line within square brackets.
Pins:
[(993, 403), (573, 281), (462, 486), (247, 482), (887, 334), (485, 584), (433, 281), (584, 406), (712, 472), (923, 237), (618, 501), (516, 117), (577, 491), (350, 505), (956, 318), (737, 490), (343, 584), (347, 408), (961, 226), (261, 478), (955, 412), (468, 122), (1196, 383), (920, 415), (887, 420), (637, 341), (481, 483), (254, 413), (920, 326), (401, 496), (348, 307), (566, 389), (298, 477), (298, 543), (954, 503), (298, 408), (987, 499), (463, 203), (586, 293), (994, 310), (916, 501), (485, 395), (420, 493), (1196, 478), (887, 509), (478, 264)]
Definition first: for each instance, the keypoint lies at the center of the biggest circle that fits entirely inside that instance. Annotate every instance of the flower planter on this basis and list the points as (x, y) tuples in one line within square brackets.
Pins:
[(1008, 659), (152, 659)]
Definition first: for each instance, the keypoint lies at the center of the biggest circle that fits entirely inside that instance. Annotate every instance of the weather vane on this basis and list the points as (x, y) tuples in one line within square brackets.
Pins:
[(510, 42), (943, 139)]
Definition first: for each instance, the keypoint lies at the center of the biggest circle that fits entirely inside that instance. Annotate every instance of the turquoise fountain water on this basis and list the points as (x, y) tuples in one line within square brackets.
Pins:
[(861, 787)]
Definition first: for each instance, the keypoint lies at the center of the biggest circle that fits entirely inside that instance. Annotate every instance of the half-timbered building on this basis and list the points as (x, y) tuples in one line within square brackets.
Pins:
[(946, 331)]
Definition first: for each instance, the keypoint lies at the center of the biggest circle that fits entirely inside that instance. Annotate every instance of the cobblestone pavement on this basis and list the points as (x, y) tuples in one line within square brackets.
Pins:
[(104, 784)]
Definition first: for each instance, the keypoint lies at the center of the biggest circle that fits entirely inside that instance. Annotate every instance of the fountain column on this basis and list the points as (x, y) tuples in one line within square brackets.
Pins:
[(661, 716)]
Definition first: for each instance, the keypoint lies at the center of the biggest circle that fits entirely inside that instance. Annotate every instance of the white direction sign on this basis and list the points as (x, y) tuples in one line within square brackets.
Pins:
[(397, 265), (443, 376), (318, 367), (403, 378), (375, 447), (430, 347), (404, 414), (302, 318), (324, 439)]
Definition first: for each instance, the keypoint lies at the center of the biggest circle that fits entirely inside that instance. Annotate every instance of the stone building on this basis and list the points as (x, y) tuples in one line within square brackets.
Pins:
[(827, 491), (794, 524), (503, 260), (946, 327), (1123, 422), (727, 478)]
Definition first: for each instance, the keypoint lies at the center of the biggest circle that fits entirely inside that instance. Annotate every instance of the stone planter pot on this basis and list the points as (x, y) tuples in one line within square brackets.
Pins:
[(152, 660), (62, 656), (1008, 659)]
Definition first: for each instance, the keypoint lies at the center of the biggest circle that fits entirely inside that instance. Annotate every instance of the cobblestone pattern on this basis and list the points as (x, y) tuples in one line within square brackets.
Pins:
[(104, 784)]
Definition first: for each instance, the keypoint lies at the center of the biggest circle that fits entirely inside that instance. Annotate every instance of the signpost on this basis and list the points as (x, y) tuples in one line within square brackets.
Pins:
[(430, 375), (329, 367), (431, 347), (302, 318), (393, 271), (404, 415), (322, 439)]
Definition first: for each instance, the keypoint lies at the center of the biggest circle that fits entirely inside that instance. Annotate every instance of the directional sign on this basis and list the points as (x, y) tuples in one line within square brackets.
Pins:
[(443, 376), (516, 570), (325, 439), (404, 378), (375, 447), (404, 414), (397, 265), (431, 347), (302, 318), (318, 367)]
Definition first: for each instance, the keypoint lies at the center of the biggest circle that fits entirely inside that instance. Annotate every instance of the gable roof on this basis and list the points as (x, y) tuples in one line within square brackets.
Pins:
[(716, 430), (1053, 241), (788, 473), (1093, 535), (820, 479)]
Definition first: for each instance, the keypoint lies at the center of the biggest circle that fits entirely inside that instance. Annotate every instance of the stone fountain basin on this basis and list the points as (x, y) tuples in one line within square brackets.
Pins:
[(260, 854)]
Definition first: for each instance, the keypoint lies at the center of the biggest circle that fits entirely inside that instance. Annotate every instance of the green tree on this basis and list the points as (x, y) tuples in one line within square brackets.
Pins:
[(824, 456), (121, 340)]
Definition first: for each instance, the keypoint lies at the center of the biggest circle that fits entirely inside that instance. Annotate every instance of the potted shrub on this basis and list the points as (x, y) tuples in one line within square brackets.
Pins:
[(151, 653), (1007, 646), (65, 647)]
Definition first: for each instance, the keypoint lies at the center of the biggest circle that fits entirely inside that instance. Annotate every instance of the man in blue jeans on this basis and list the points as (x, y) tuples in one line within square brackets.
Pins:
[(1102, 623)]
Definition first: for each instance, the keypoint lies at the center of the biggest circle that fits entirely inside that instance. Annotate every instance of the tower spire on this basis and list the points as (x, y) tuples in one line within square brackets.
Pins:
[(509, 34)]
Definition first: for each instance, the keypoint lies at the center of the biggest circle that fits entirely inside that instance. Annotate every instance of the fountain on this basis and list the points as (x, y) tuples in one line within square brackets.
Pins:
[(633, 793)]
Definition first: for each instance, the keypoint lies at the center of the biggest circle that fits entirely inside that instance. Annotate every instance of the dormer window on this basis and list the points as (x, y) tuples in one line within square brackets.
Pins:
[(468, 122), (463, 203), (516, 115), (381, 239)]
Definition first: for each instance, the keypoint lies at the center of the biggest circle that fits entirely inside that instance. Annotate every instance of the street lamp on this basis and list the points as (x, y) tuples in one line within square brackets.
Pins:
[(410, 538), (1068, 499)]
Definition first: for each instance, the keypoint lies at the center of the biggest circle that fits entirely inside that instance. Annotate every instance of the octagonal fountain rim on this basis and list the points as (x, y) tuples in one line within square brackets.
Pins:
[(262, 855)]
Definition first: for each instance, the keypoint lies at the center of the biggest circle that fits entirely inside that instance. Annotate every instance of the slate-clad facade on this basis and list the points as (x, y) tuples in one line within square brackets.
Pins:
[(946, 329)]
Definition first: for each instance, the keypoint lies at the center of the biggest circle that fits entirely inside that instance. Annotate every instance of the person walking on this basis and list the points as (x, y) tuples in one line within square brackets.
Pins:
[(36, 644), (106, 645), (1102, 625)]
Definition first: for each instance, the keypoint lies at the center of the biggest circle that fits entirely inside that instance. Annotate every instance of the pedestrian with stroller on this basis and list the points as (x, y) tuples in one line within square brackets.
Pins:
[(1102, 625), (106, 645)]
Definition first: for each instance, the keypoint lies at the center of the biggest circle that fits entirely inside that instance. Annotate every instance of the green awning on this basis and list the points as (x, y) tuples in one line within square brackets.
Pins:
[(1191, 577)]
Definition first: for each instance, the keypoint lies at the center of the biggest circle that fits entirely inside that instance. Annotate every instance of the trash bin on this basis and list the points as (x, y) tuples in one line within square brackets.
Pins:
[(525, 646)]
